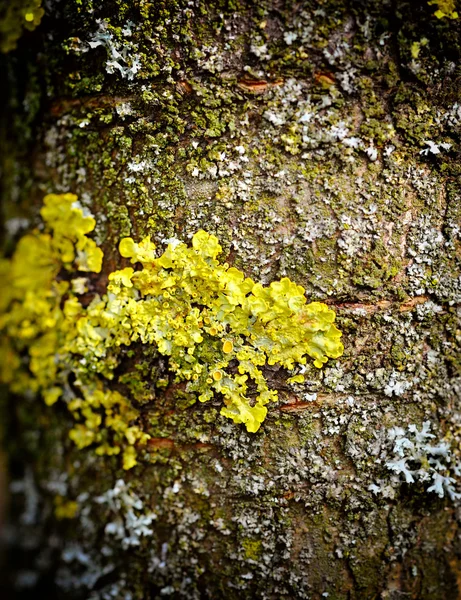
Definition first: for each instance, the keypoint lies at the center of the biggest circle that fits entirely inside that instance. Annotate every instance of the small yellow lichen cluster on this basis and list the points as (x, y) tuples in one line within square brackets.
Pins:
[(217, 327), (15, 16), (65, 509), (445, 8)]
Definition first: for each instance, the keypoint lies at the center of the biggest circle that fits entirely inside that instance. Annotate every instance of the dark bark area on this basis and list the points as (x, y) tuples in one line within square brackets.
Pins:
[(318, 141)]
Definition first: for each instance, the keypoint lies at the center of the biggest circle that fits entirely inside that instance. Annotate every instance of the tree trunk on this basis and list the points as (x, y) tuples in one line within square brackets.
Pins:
[(319, 141)]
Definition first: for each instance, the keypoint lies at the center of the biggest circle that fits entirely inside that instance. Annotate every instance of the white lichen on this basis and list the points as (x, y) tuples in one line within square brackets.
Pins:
[(130, 520), (414, 458)]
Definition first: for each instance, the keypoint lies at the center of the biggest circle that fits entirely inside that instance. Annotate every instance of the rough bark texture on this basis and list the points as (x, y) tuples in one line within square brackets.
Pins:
[(318, 140)]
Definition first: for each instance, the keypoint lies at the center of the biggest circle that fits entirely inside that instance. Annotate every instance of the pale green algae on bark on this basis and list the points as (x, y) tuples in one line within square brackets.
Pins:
[(217, 327)]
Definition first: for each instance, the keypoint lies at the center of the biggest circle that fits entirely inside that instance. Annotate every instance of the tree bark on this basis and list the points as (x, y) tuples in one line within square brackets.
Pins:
[(316, 140)]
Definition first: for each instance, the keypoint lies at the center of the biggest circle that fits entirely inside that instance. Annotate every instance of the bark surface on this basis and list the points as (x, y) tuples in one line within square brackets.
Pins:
[(318, 140)]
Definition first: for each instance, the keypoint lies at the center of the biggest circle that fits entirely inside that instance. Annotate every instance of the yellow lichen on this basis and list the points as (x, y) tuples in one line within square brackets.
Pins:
[(200, 313), (65, 509), (15, 16), (445, 8), (42, 319)]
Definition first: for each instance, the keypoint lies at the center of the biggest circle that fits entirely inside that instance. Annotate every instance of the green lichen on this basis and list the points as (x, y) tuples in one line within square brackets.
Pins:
[(253, 548), (217, 327)]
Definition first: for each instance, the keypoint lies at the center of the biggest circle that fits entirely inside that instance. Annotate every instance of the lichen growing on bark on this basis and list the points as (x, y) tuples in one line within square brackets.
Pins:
[(305, 137), (217, 327), (16, 16), (445, 8)]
